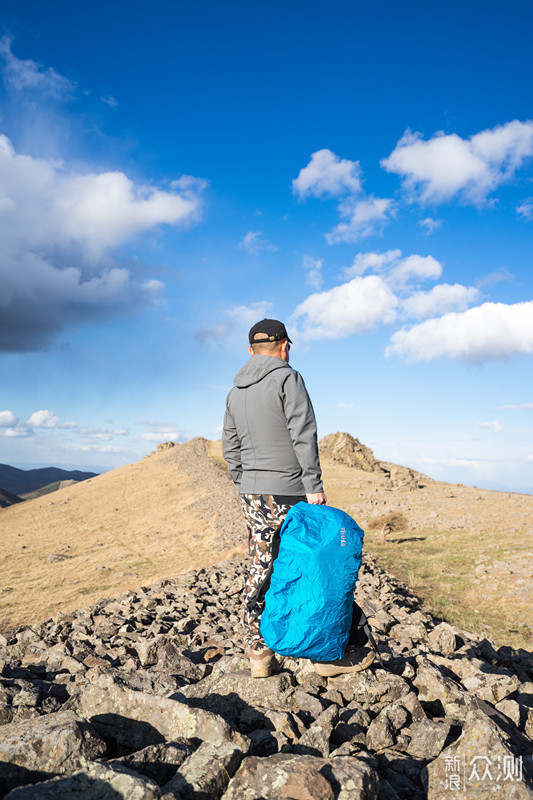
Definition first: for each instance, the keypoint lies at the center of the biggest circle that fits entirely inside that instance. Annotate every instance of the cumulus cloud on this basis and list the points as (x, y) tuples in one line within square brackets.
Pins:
[(254, 242), (488, 331), (313, 269), (327, 174), (398, 270), (58, 230), (447, 165), (494, 425), (17, 428), (440, 300), (43, 419), (25, 75), (164, 432), (365, 218), (415, 268), (429, 224), (353, 307), (8, 419)]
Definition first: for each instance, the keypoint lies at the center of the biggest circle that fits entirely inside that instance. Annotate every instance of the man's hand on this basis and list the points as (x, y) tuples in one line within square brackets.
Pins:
[(317, 499)]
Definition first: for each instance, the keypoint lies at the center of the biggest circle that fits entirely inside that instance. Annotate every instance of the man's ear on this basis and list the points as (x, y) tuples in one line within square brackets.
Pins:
[(251, 350)]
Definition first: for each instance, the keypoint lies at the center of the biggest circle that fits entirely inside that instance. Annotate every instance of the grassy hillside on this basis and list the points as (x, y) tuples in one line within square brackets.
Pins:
[(468, 553)]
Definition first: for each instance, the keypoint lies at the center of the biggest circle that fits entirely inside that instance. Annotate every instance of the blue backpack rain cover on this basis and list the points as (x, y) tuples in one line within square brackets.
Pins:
[(309, 603)]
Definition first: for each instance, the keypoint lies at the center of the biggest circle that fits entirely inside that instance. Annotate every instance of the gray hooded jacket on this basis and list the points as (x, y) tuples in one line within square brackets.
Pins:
[(269, 438)]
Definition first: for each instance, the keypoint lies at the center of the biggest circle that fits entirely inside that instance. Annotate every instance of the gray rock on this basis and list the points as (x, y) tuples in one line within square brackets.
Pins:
[(434, 687), (428, 738), (284, 722), (206, 773), (93, 782), (368, 687), (442, 639), (32, 750), (229, 693), (158, 762), (383, 730), (492, 688), (303, 778), (315, 741), (477, 764), (138, 719)]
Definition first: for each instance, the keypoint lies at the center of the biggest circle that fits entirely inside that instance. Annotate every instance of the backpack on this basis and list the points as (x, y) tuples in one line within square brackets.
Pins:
[(309, 603)]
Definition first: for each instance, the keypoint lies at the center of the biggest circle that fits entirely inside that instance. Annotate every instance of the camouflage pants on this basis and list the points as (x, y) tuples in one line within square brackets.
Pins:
[(264, 518)]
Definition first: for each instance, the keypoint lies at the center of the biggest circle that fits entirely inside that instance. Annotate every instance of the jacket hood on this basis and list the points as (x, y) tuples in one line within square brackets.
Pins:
[(256, 368)]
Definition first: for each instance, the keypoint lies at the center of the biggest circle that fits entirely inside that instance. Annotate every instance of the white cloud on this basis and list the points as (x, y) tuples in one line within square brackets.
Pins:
[(525, 209), (58, 229), (353, 307), (327, 174), (20, 432), (488, 331), (254, 242), (376, 262), (42, 419), (416, 268), (494, 425), (165, 433), (429, 225), (398, 270), (313, 269), (365, 218), (447, 165), (8, 419), (25, 75), (440, 300)]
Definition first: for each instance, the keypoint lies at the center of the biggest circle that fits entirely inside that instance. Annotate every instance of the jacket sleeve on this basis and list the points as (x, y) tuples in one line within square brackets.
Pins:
[(231, 448), (301, 425)]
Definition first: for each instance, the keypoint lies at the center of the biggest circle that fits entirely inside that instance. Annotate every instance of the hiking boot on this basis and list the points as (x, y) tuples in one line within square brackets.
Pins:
[(355, 659), (262, 662)]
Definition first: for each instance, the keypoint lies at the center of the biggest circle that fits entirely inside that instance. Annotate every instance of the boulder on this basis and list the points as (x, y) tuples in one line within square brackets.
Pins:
[(302, 777), (37, 748), (478, 766), (93, 782), (206, 773), (138, 719), (158, 762)]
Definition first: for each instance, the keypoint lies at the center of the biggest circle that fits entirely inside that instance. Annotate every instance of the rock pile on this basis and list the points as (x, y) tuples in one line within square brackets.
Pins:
[(148, 695), (346, 449)]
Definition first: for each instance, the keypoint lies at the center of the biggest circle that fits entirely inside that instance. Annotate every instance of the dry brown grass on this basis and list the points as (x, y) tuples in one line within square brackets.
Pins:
[(468, 553), (126, 528)]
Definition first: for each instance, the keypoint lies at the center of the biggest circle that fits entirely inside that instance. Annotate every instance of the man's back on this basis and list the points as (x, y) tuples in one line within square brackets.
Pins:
[(269, 437)]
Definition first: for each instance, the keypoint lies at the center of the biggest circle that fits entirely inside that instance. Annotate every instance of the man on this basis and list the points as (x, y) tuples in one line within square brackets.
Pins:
[(270, 444)]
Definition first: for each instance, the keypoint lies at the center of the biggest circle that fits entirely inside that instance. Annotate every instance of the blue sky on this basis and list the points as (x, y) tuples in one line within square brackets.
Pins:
[(170, 173)]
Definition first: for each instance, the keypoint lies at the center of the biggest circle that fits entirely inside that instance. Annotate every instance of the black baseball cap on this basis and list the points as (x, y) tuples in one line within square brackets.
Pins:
[(274, 330)]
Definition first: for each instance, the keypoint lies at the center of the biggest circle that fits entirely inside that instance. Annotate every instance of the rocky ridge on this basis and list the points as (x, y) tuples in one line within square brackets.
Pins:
[(148, 695)]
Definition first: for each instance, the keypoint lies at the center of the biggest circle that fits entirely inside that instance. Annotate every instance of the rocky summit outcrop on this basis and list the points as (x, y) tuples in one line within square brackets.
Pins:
[(148, 695), (348, 450)]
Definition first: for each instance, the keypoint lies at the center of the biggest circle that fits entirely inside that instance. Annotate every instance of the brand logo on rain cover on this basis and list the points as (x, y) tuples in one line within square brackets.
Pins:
[(343, 537)]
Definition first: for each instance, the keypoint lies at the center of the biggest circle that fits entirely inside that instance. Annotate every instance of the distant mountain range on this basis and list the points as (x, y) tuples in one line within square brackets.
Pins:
[(18, 482)]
